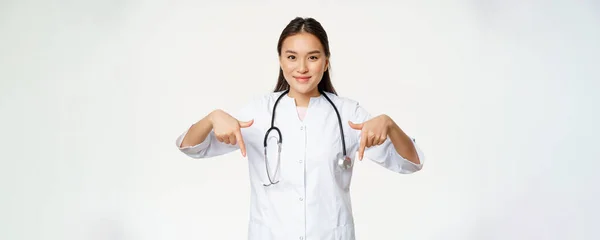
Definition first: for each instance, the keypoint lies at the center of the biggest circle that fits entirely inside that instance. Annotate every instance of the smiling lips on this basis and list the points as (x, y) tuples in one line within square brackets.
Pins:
[(302, 79)]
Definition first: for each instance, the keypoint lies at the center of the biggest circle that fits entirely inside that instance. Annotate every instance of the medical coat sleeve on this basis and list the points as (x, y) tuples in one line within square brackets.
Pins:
[(211, 147), (386, 154)]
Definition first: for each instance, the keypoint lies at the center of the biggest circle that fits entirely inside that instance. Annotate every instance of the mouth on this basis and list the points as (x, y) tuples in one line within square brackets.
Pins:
[(302, 79)]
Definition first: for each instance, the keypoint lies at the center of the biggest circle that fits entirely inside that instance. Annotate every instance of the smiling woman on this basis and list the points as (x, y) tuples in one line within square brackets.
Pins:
[(300, 186), (303, 50)]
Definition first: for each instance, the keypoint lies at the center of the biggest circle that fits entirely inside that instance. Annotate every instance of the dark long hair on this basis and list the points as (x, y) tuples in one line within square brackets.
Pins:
[(312, 26)]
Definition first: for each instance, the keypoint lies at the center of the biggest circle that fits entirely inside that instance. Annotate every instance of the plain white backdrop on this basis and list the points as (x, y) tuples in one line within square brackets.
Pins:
[(502, 97)]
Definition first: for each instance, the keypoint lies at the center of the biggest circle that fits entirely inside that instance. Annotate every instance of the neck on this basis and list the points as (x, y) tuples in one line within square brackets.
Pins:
[(302, 99)]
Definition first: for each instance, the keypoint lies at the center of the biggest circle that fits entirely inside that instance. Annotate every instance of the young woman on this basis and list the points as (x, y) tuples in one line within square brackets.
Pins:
[(300, 142)]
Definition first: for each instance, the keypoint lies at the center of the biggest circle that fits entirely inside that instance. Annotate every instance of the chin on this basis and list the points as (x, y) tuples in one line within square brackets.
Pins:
[(304, 89)]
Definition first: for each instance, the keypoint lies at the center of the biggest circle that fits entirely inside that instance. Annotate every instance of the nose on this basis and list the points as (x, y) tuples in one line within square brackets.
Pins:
[(302, 68)]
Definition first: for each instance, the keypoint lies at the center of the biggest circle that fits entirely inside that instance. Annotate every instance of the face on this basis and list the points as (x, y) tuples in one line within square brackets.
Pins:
[(303, 63)]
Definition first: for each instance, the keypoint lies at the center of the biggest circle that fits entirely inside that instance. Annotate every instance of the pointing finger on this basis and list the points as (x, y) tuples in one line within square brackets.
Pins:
[(240, 140), (361, 148)]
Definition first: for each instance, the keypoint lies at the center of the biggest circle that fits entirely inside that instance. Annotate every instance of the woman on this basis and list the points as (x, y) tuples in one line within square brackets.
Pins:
[(304, 194)]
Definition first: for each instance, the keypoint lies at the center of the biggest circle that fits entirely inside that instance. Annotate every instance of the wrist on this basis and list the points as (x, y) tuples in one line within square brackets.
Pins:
[(210, 117), (391, 125)]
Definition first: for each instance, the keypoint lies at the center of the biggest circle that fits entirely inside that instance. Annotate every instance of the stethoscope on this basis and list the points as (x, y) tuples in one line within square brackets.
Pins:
[(343, 162)]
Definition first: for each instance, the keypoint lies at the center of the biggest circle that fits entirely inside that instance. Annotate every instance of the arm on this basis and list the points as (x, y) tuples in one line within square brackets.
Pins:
[(197, 133), (402, 143), (398, 152), (200, 141)]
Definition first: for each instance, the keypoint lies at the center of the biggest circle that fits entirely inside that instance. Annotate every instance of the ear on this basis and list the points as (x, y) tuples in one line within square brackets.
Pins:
[(326, 64)]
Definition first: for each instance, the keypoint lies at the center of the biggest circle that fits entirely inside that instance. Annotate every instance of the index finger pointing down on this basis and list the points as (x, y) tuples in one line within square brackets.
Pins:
[(240, 140)]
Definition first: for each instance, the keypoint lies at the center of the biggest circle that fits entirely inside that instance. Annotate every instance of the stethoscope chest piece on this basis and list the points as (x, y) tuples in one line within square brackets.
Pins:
[(345, 162)]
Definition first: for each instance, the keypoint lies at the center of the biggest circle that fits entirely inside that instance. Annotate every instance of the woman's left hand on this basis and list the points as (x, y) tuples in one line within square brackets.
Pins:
[(373, 132)]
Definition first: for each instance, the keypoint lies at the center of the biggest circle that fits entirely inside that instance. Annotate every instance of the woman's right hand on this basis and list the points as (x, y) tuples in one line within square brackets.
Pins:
[(228, 129)]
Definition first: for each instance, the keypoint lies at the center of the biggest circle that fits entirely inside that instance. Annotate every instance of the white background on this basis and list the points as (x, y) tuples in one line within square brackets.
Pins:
[(502, 96)]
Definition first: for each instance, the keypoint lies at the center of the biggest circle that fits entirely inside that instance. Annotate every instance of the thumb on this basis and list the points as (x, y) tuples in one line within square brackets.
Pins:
[(246, 124), (355, 126)]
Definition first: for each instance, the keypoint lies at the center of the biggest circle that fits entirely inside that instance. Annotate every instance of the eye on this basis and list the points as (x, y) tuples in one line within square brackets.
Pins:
[(313, 57), (291, 57)]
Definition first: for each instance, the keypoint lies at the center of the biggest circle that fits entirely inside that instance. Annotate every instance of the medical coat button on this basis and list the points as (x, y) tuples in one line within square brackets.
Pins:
[(301, 237), (301, 199), (300, 161), (301, 127)]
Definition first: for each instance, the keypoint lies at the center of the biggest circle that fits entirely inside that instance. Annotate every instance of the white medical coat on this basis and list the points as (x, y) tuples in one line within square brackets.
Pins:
[(312, 199)]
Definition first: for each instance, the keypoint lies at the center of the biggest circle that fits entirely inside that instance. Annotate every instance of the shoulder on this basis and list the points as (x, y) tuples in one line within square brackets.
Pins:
[(345, 103), (261, 98), (349, 107), (266, 99), (260, 102)]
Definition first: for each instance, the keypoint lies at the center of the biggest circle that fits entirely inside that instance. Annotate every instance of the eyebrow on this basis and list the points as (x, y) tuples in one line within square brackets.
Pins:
[(311, 52)]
